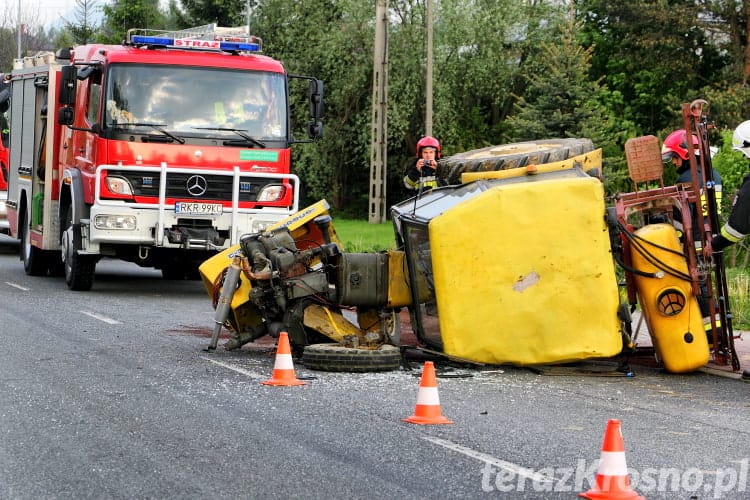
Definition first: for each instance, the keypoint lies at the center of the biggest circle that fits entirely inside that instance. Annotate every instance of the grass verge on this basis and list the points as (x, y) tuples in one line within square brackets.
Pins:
[(361, 236), (738, 285)]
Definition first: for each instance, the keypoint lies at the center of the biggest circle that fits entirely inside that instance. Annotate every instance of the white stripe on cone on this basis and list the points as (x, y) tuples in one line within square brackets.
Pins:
[(283, 362), (612, 463), (428, 396)]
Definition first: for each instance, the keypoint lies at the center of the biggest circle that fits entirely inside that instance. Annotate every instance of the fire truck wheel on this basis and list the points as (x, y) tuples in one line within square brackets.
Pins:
[(337, 358), (34, 259), (79, 269), (507, 156)]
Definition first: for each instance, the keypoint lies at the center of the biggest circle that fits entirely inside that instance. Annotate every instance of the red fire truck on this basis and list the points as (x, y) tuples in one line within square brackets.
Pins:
[(160, 151)]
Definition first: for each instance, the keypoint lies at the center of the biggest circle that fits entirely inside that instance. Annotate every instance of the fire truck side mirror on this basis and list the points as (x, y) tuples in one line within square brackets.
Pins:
[(316, 99), (63, 54), (65, 116), (68, 81), (4, 100), (315, 129)]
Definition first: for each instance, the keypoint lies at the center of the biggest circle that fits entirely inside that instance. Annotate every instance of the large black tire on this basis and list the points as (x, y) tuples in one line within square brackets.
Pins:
[(337, 358), (34, 259), (79, 269), (507, 156)]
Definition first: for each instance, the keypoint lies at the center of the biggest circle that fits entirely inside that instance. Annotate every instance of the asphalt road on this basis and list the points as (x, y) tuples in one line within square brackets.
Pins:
[(109, 394)]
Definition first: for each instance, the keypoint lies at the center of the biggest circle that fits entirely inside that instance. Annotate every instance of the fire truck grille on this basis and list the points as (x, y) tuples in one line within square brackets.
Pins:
[(194, 186)]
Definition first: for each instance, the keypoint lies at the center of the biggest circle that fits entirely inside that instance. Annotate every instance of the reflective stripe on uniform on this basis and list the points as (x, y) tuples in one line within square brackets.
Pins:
[(427, 182), (410, 184), (717, 197), (731, 234)]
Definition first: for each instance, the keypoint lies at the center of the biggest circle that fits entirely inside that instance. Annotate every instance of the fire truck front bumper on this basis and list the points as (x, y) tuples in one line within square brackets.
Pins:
[(164, 228)]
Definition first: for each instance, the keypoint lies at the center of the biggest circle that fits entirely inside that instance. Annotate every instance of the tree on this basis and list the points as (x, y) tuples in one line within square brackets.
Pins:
[(656, 55), (560, 100), (122, 15), (331, 40), (482, 47), (200, 12), (478, 49), (33, 35), (728, 92), (84, 28)]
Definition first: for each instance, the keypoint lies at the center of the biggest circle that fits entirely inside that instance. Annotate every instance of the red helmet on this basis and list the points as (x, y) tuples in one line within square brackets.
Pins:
[(676, 143), (428, 142)]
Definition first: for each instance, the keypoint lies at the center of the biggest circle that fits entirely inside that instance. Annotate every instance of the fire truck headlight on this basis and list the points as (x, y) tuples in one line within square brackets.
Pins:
[(124, 222), (119, 185), (272, 193), (259, 226)]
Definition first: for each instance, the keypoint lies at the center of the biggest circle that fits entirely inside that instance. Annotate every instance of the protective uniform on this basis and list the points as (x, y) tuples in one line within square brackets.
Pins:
[(424, 178), (675, 145), (738, 224)]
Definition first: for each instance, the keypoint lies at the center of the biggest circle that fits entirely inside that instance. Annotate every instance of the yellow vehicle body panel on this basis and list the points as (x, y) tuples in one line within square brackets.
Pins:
[(671, 310), (523, 274), (240, 318), (399, 293)]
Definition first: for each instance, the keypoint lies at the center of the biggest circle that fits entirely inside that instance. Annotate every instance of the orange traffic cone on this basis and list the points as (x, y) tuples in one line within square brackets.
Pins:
[(612, 481), (427, 410), (283, 367)]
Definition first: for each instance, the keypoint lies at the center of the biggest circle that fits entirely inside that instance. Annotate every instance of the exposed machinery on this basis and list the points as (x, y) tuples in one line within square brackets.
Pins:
[(159, 151), (514, 265), (295, 277)]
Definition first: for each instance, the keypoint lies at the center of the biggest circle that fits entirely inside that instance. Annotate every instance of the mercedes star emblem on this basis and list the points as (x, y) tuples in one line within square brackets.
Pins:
[(196, 185)]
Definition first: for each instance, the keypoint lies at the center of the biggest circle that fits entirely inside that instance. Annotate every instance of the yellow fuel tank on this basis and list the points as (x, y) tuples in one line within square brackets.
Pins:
[(671, 310)]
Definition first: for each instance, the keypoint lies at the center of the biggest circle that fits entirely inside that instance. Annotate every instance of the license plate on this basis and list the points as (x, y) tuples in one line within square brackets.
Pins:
[(186, 208)]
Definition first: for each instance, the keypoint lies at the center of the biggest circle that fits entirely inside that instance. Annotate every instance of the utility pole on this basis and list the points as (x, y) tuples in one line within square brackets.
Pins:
[(247, 14), (428, 77), (19, 29), (379, 140)]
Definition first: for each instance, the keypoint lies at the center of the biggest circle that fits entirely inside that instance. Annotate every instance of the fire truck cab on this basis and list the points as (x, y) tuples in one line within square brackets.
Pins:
[(161, 151)]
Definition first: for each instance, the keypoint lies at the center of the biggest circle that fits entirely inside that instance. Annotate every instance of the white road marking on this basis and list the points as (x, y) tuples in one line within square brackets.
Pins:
[(14, 285), (102, 318), (483, 457), (231, 367)]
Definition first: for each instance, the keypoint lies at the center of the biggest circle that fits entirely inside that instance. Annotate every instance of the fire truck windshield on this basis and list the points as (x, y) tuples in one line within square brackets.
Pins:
[(196, 101)]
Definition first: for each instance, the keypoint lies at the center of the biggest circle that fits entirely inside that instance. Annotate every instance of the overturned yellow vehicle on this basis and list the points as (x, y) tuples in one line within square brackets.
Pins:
[(513, 268)]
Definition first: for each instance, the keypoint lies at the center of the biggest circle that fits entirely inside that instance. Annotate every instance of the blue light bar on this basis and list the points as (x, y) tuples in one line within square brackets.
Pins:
[(151, 40), (195, 43), (249, 47)]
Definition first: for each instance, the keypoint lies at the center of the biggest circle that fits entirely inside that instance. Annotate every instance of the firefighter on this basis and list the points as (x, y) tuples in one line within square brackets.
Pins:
[(421, 175), (675, 151), (738, 225)]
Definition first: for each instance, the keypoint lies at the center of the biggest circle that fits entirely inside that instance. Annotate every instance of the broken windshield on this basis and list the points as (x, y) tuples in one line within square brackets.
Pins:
[(196, 101)]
